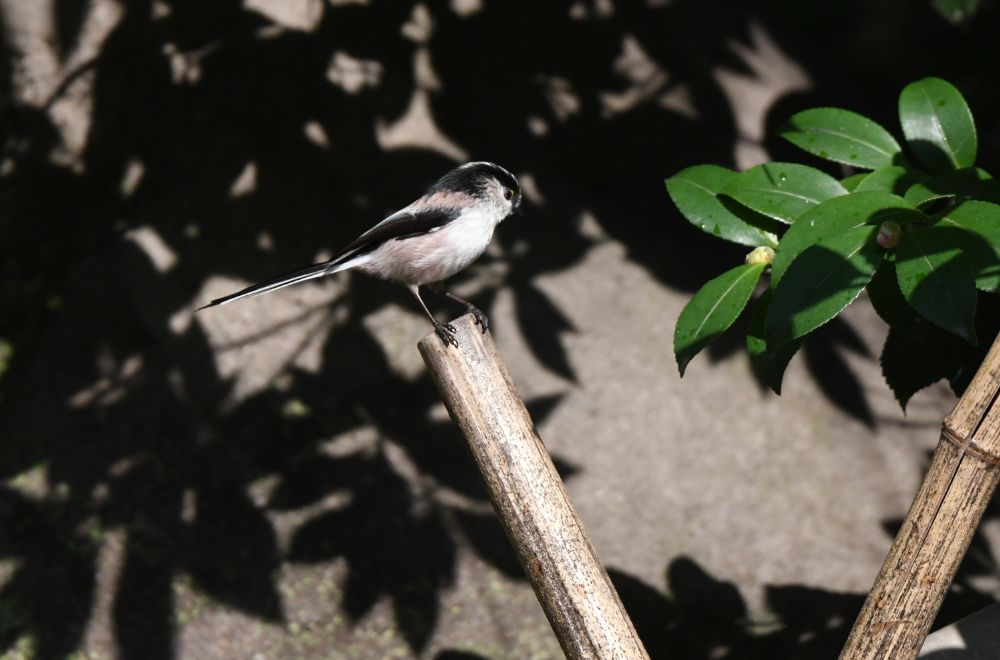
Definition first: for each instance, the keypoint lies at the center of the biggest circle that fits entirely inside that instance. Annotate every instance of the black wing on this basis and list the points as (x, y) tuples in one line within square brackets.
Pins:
[(400, 225)]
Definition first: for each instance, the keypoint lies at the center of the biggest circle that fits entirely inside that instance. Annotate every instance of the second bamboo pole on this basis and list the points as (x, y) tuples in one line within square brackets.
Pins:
[(942, 520)]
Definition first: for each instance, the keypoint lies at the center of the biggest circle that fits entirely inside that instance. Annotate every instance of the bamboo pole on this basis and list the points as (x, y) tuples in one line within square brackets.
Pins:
[(942, 520), (529, 497)]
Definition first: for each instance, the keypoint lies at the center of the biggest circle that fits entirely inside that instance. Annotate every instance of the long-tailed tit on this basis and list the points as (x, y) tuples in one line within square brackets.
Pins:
[(426, 242)]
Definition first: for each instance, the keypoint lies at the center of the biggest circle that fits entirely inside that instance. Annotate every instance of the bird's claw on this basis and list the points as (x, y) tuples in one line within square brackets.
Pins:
[(481, 319), (446, 331)]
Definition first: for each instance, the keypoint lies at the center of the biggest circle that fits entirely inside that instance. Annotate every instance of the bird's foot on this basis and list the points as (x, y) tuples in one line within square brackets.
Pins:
[(481, 319), (446, 331)]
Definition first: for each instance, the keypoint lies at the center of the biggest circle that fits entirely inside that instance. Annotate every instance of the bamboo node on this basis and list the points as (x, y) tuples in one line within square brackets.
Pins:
[(970, 447)]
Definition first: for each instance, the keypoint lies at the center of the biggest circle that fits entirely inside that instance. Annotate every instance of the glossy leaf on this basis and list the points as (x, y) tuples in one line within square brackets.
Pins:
[(974, 228), (782, 191), (851, 183), (712, 310), (988, 191), (836, 216), (894, 179), (966, 182), (769, 366), (842, 136), (938, 125), (891, 306), (937, 281), (909, 366), (823, 280), (693, 190)]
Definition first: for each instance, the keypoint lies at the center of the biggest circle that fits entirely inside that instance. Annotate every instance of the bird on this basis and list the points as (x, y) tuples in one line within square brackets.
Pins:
[(435, 237)]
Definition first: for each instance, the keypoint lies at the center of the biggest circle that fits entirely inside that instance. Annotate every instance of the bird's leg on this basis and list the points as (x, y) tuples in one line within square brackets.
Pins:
[(446, 331), (481, 319)]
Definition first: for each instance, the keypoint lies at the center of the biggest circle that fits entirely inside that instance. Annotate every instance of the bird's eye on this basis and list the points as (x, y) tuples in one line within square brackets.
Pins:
[(508, 193)]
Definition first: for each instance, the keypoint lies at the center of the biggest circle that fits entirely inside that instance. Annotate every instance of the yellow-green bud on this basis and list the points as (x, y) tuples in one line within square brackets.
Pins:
[(761, 255)]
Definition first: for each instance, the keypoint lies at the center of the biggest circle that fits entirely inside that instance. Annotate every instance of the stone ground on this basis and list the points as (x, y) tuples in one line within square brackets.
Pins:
[(277, 479)]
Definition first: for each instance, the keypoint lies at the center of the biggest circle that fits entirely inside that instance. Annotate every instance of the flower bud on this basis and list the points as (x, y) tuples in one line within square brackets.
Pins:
[(761, 255), (889, 233)]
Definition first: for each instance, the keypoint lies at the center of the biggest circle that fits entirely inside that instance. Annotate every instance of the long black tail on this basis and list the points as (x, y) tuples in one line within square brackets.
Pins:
[(307, 273)]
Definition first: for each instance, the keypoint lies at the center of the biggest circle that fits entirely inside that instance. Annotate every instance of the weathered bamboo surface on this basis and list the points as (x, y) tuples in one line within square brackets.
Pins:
[(942, 520), (529, 497)]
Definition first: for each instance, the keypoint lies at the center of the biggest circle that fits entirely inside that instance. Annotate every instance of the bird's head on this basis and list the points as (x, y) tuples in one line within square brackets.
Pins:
[(486, 181)]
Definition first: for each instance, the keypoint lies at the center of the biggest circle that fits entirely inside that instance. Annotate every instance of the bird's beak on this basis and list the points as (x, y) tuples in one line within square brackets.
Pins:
[(518, 209)]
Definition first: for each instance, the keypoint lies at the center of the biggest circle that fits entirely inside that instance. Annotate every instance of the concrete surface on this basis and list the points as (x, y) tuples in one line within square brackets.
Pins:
[(276, 479)]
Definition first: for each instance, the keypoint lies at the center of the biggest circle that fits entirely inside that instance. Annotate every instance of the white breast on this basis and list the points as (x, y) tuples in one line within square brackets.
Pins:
[(435, 256)]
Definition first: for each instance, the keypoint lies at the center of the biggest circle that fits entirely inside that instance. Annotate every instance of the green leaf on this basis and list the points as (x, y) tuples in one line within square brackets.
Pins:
[(909, 366), (891, 306), (822, 281), (712, 310), (782, 191), (769, 366), (967, 182), (988, 191), (974, 228), (894, 179), (836, 216), (693, 191), (842, 136), (937, 281), (851, 183), (938, 125)]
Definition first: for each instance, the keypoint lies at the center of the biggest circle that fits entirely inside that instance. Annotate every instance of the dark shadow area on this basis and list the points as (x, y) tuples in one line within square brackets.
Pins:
[(699, 617), (134, 460), (706, 618)]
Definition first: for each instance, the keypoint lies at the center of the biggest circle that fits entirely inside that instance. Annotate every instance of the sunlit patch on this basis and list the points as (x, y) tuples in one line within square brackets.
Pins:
[(189, 506), (265, 241), (645, 79), (303, 15), (256, 340), (466, 8), (530, 190), (131, 177), (8, 567), (245, 182), (32, 483), (416, 129), (315, 133), (159, 10), (112, 385), (589, 227), (420, 27), (678, 99), (537, 126), (352, 74), (159, 253), (185, 68), (57, 79), (397, 329), (6, 353), (772, 75), (559, 93), (584, 10)]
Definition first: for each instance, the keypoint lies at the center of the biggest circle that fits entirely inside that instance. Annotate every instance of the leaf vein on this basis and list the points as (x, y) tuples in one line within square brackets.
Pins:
[(846, 136), (719, 301)]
